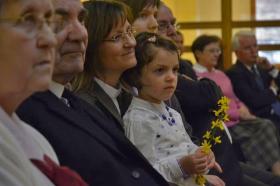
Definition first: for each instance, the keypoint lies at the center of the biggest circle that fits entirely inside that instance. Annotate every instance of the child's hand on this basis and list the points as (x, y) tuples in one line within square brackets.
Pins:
[(199, 162), (196, 163)]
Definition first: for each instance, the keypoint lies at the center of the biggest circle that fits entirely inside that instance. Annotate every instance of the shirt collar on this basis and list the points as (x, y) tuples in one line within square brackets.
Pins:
[(57, 89), (111, 91), (250, 67), (160, 108), (200, 68)]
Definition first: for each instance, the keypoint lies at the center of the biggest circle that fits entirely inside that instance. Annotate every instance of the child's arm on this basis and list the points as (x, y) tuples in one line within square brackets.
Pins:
[(144, 134)]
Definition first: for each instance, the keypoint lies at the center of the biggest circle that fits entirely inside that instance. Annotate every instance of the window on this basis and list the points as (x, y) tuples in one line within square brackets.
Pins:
[(225, 17)]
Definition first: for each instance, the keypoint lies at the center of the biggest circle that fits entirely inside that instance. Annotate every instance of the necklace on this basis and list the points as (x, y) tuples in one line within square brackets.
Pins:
[(169, 119)]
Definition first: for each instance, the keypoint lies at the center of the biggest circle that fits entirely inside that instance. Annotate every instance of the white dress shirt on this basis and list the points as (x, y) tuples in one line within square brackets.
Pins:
[(161, 142), (112, 92), (57, 89), (18, 143)]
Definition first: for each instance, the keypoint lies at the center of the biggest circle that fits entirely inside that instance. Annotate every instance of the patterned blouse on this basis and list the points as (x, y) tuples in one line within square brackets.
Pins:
[(158, 132)]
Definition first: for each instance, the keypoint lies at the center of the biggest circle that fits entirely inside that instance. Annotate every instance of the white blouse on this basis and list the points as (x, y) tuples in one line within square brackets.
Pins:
[(163, 142), (18, 143)]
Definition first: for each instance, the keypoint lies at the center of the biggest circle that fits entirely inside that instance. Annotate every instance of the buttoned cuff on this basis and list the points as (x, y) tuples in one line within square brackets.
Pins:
[(183, 174)]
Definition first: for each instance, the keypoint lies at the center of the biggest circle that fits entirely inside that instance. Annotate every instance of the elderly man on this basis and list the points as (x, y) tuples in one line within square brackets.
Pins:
[(83, 138), (197, 113), (255, 80)]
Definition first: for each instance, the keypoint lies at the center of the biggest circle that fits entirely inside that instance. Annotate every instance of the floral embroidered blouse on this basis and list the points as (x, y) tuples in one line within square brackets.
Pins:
[(158, 132)]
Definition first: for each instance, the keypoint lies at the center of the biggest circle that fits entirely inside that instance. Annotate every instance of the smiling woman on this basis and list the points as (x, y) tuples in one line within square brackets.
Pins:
[(111, 44), (110, 52)]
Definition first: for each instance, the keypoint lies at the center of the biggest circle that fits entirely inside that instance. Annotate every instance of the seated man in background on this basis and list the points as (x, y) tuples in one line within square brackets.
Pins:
[(254, 79), (257, 137), (196, 99)]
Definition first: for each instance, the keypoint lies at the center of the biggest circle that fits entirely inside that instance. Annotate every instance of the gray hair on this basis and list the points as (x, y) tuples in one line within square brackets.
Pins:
[(243, 33)]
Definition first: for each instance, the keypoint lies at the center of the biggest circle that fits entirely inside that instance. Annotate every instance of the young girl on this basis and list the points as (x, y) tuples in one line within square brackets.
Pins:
[(156, 129)]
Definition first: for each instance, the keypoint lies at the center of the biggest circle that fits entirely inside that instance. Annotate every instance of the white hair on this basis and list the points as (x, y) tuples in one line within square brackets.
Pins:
[(243, 33)]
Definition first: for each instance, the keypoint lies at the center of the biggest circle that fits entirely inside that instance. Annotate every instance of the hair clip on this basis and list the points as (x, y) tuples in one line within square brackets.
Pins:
[(152, 39)]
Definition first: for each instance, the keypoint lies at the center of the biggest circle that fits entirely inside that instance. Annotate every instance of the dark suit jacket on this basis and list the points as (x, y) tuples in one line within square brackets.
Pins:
[(246, 89), (186, 68), (95, 95), (88, 142), (197, 99)]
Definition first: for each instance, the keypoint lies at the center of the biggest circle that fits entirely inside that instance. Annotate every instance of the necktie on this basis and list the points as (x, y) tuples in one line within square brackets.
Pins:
[(65, 101), (120, 100), (258, 78)]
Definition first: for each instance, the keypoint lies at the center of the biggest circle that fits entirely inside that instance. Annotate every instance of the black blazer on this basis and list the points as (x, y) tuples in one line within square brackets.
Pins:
[(197, 97), (186, 68), (95, 95), (88, 142), (246, 89)]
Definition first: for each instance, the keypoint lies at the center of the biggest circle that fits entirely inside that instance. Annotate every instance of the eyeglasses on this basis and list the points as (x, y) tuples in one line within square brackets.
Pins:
[(214, 51), (164, 26), (122, 37), (30, 23)]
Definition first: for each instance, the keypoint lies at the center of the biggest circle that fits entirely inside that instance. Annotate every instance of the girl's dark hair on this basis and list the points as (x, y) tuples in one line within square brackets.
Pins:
[(103, 16), (145, 51), (138, 5)]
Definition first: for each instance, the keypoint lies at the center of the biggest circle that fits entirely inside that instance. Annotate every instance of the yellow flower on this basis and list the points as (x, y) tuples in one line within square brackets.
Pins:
[(206, 146), (218, 139), (200, 180), (223, 101), (207, 135), (215, 123), (217, 112), (221, 126), (225, 118), (209, 139)]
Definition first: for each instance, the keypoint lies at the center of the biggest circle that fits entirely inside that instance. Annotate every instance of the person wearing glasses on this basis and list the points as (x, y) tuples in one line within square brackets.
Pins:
[(206, 93), (257, 137), (83, 137), (110, 52), (167, 25), (27, 45), (255, 80)]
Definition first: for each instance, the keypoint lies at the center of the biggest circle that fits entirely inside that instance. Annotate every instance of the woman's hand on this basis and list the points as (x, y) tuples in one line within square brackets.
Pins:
[(214, 180)]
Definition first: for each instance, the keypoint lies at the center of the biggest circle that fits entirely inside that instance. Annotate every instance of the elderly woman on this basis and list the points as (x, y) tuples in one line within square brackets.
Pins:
[(26, 64)]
